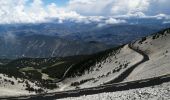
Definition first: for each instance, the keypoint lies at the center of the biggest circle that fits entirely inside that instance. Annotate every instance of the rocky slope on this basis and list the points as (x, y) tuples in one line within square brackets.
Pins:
[(146, 58), (126, 60), (12, 86), (158, 49), (159, 92)]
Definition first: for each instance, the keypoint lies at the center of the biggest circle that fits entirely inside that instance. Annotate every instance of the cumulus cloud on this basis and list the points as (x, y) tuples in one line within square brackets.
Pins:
[(114, 21), (129, 6), (119, 7), (158, 7), (86, 11), (19, 11), (24, 11), (91, 7), (110, 21), (15, 11)]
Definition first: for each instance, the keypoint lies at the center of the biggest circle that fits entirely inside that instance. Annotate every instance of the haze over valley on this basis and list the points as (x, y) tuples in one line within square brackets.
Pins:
[(84, 49)]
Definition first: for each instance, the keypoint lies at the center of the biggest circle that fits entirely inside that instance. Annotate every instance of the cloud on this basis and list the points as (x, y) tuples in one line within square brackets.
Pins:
[(19, 11), (36, 12), (108, 7), (90, 7), (119, 7), (162, 16), (61, 14), (111, 21), (12, 11), (158, 7), (122, 7), (86, 11), (114, 21)]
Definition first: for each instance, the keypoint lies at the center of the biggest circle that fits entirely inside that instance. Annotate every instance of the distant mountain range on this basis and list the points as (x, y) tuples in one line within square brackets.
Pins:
[(138, 64), (115, 34), (40, 46), (70, 38)]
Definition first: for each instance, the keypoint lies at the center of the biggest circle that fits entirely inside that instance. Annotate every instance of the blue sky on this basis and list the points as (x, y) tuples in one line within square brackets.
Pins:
[(57, 2)]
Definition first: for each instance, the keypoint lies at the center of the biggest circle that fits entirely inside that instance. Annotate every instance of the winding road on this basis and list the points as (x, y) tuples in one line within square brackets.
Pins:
[(126, 73), (123, 75), (95, 90), (109, 87)]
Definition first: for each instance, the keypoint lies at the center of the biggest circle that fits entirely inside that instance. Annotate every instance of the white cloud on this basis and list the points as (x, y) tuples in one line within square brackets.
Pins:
[(129, 6), (36, 12), (12, 11), (86, 11), (111, 21), (54, 11), (132, 15), (119, 7), (161, 16), (158, 7), (108, 7), (90, 7), (114, 21), (18, 11)]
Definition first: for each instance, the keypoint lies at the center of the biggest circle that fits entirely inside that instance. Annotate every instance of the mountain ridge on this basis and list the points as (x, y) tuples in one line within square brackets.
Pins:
[(97, 70)]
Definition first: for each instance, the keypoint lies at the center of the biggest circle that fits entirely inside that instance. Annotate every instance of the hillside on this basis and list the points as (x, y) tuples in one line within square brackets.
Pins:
[(159, 92), (158, 49), (45, 40), (44, 46), (134, 63), (117, 34), (151, 60), (126, 62)]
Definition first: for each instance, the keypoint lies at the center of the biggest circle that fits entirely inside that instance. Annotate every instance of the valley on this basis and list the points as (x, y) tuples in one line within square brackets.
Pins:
[(84, 50), (130, 66)]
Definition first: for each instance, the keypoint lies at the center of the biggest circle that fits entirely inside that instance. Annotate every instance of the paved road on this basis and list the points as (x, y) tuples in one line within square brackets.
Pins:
[(112, 87), (95, 90), (126, 73)]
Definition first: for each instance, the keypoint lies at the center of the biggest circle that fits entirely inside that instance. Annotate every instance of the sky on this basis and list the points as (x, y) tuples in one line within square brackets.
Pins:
[(36, 11), (60, 3)]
